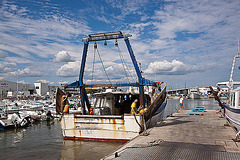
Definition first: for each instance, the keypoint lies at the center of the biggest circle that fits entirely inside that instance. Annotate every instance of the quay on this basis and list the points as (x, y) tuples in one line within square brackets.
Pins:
[(183, 136)]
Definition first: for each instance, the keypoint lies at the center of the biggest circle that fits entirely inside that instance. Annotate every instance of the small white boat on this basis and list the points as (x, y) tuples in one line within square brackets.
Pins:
[(194, 93), (52, 109), (231, 108), (32, 107), (12, 120), (13, 108)]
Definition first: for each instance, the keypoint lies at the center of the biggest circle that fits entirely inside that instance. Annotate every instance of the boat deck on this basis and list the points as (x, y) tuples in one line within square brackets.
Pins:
[(184, 137)]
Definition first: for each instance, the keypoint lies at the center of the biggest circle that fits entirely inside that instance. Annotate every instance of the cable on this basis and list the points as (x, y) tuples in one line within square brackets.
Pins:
[(119, 52), (123, 61), (94, 53), (103, 66)]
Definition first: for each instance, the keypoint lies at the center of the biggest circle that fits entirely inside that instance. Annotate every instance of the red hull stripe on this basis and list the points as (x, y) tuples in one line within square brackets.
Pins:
[(96, 139)]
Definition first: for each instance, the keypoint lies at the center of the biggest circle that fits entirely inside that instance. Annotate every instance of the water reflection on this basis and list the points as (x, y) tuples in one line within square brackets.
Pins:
[(11, 137), (18, 136), (87, 149), (40, 141)]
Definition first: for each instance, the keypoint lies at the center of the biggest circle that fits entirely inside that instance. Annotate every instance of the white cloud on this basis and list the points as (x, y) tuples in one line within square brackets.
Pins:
[(128, 6), (45, 81), (23, 82), (171, 68), (186, 34), (71, 69), (117, 71), (63, 56), (7, 66), (26, 72), (3, 55), (18, 60), (103, 18), (63, 82), (25, 36)]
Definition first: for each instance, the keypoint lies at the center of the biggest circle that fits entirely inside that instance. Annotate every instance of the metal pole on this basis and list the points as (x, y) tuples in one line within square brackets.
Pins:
[(140, 79), (170, 109), (84, 56), (17, 85)]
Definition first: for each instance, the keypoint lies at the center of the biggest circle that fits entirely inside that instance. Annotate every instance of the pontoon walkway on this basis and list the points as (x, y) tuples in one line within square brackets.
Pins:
[(184, 137)]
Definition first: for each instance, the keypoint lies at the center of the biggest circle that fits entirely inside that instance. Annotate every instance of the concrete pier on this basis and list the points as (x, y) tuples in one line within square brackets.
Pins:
[(184, 137)]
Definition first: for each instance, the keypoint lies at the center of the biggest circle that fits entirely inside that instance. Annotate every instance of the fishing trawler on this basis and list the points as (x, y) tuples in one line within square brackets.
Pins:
[(109, 118)]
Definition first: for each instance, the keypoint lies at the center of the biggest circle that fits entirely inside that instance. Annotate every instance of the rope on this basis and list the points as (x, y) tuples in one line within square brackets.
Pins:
[(137, 121), (95, 46), (103, 66), (123, 62), (119, 52)]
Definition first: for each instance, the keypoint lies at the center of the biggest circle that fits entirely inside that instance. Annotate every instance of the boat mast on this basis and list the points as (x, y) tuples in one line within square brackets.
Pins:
[(230, 85)]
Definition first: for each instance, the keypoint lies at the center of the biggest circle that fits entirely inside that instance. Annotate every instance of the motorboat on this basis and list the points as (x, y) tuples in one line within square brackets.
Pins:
[(194, 93), (13, 120)]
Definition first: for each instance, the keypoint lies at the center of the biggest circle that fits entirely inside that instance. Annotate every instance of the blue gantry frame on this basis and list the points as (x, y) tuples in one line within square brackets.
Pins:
[(108, 36)]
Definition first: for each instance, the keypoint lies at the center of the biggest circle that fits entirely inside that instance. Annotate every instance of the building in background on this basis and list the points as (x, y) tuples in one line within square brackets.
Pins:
[(41, 88), (205, 91), (9, 89)]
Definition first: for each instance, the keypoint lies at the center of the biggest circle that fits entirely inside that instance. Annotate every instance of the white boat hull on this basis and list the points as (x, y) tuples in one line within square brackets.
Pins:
[(194, 96), (233, 115), (107, 127), (100, 128)]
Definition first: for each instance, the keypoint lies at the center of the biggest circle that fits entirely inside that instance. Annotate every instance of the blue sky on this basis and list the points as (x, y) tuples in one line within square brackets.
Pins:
[(177, 42)]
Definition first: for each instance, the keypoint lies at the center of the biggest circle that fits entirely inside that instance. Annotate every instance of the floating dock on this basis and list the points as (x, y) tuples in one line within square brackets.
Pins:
[(184, 136)]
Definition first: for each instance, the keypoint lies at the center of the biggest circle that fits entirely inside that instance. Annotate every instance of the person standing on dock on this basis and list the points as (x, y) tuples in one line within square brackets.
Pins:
[(134, 107), (181, 102)]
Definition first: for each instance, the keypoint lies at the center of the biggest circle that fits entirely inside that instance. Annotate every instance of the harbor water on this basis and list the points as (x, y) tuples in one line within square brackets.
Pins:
[(44, 140)]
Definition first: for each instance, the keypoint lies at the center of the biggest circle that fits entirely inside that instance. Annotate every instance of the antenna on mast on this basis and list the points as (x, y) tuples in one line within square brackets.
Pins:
[(238, 45)]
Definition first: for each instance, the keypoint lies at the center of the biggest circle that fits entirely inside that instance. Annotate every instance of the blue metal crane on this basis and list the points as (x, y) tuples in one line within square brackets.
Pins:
[(103, 37)]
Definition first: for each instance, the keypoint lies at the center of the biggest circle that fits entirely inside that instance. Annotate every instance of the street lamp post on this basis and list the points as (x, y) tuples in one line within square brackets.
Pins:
[(18, 76)]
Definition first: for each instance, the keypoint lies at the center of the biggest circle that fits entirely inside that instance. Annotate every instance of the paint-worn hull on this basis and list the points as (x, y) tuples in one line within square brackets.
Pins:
[(100, 128), (156, 104), (116, 128), (233, 115), (157, 117)]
